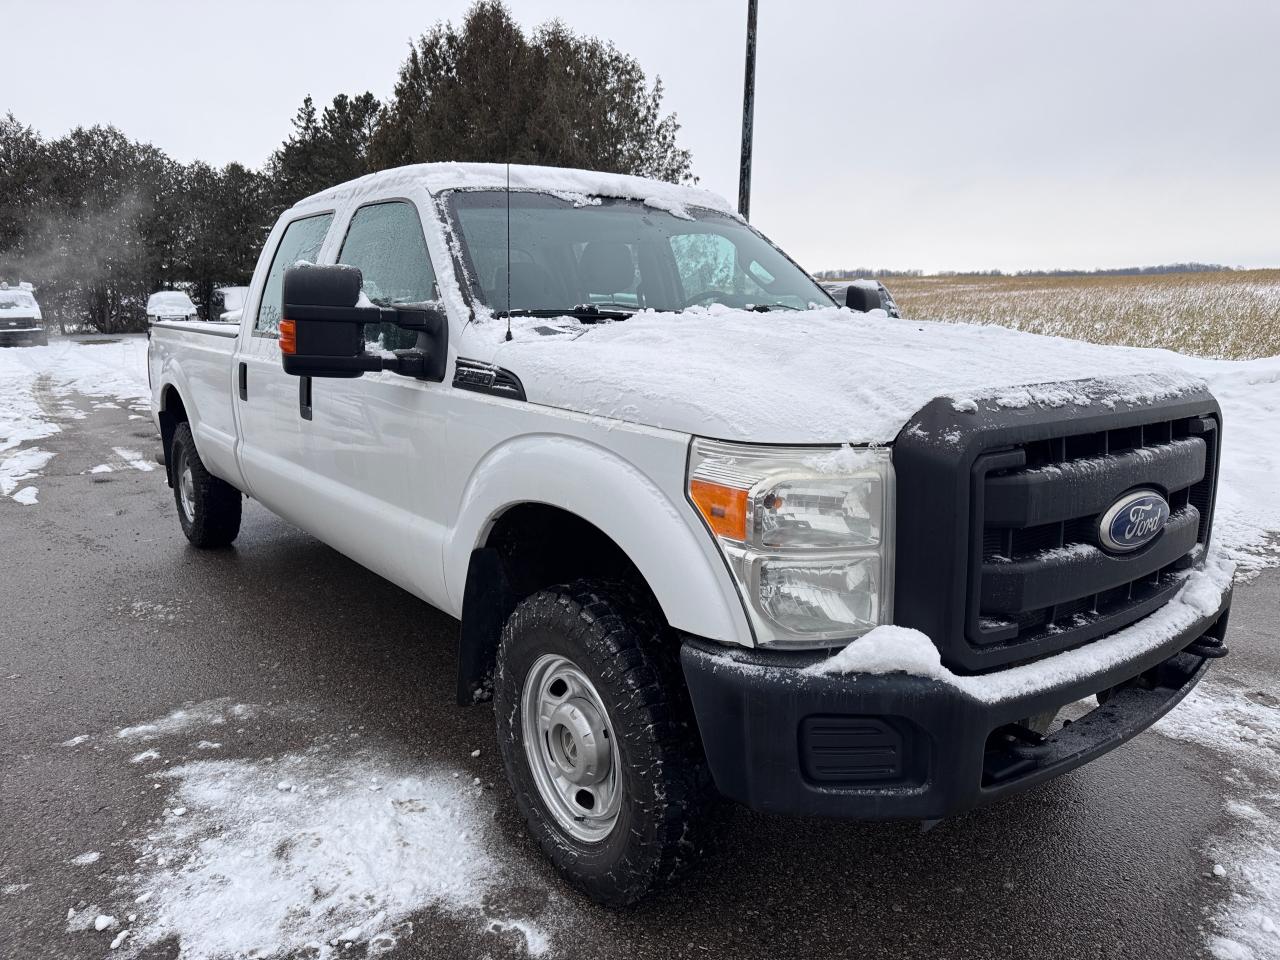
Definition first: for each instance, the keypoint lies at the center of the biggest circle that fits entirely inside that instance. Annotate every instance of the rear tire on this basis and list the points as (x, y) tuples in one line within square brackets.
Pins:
[(582, 671), (208, 508)]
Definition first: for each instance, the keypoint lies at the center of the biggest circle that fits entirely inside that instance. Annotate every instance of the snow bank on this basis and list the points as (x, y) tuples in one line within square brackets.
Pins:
[(893, 649), (1247, 518)]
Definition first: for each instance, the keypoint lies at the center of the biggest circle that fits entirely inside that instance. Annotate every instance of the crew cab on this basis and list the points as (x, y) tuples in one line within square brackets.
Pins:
[(706, 530), (21, 321)]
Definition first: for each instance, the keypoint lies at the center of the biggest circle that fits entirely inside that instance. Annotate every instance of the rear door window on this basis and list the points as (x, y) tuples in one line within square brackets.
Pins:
[(302, 240)]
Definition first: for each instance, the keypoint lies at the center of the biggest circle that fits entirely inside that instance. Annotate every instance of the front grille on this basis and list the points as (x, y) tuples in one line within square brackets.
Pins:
[(998, 507), (1040, 580)]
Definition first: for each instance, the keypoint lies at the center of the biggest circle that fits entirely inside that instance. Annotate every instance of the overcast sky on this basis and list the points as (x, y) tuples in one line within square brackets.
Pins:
[(938, 135)]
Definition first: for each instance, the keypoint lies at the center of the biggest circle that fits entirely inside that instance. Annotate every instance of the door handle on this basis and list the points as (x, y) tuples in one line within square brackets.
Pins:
[(244, 381), (304, 397)]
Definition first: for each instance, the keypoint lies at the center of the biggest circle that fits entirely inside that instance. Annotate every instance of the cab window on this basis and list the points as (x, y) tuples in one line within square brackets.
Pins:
[(385, 241), (302, 240)]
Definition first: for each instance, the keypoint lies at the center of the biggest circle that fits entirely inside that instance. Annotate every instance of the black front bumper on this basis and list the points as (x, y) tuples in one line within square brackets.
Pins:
[(893, 746)]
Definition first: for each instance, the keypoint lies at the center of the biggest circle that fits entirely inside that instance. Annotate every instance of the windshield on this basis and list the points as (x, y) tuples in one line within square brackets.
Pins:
[(619, 255)]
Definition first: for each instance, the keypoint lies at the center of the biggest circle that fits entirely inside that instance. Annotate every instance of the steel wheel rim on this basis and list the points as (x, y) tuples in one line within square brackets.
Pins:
[(570, 748), (186, 487)]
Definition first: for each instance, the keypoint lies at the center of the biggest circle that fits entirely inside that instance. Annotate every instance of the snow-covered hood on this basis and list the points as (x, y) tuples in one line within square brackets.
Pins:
[(821, 376)]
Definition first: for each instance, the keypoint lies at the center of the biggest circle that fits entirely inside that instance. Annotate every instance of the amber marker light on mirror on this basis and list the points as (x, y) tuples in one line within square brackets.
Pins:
[(288, 337)]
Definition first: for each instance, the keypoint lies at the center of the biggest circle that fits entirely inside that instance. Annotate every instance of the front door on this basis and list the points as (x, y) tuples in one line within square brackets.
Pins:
[(377, 452)]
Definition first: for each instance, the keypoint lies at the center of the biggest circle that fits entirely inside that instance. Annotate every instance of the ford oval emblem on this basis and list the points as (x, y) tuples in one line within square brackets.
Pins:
[(1133, 521)]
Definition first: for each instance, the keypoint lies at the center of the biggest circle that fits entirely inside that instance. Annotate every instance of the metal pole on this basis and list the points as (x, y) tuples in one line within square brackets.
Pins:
[(748, 115)]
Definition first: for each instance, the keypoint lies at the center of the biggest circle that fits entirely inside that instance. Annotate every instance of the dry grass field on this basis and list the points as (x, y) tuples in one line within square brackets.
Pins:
[(1232, 314)]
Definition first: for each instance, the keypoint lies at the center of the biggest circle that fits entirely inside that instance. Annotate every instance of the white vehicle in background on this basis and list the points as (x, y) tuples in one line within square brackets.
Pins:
[(170, 305), (21, 321), (231, 300), (705, 528)]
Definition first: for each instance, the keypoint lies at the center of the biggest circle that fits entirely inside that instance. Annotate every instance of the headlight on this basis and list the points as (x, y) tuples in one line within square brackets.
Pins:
[(807, 533)]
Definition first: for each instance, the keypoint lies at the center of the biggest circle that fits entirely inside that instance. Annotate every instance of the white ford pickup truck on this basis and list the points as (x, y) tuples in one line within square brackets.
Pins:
[(706, 530)]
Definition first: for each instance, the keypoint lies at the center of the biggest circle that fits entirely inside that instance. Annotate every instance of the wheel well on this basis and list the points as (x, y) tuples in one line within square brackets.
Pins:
[(529, 547), (541, 545), (172, 413)]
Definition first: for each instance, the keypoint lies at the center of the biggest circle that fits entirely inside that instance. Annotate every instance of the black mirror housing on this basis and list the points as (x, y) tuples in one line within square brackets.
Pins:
[(322, 328), (863, 296)]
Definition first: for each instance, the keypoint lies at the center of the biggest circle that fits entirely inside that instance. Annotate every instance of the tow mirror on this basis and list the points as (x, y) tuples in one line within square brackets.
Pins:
[(322, 327), (865, 296)]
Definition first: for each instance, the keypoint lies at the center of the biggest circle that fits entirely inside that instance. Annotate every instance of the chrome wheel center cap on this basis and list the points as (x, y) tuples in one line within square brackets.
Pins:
[(187, 490), (578, 744)]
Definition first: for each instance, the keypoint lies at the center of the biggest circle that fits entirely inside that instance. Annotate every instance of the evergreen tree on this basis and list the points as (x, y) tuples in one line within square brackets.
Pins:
[(325, 148), (485, 91), (98, 222)]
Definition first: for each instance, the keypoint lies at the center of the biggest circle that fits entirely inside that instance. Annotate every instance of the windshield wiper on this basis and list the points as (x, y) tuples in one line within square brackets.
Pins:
[(767, 307), (586, 312)]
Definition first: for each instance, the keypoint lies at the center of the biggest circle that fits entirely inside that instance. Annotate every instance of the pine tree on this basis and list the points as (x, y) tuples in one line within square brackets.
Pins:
[(487, 92)]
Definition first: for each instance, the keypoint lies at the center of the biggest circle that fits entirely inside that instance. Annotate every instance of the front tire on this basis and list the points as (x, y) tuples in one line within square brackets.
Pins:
[(598, 740), (208, 508)]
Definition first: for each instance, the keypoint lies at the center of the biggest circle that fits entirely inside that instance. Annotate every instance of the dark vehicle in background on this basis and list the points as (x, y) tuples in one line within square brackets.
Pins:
[(21, 322), (862, 295)]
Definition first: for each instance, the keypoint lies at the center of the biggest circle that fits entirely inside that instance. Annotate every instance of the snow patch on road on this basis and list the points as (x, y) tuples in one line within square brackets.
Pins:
[(86, 859), (318, 852), (132, 458), (36, 387), (165, 611), (190, 717), (253, 870), (1241, 722), (27, 496), (21, 465)]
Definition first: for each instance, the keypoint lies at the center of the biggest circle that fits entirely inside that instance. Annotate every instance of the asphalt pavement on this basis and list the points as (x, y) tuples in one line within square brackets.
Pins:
[(109, 619)]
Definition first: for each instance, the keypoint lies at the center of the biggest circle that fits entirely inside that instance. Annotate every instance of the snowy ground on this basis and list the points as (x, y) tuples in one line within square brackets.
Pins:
[(342, 843), (313, 854), (36, 387)]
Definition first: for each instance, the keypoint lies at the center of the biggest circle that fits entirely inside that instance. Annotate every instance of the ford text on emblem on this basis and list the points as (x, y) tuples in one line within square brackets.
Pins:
[(1133, 521)]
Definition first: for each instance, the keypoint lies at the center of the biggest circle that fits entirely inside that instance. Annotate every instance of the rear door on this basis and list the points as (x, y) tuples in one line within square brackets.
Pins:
[(273, 438)]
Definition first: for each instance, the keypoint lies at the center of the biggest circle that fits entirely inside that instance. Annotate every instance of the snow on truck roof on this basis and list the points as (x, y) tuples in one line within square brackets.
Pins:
[(560, 181)]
